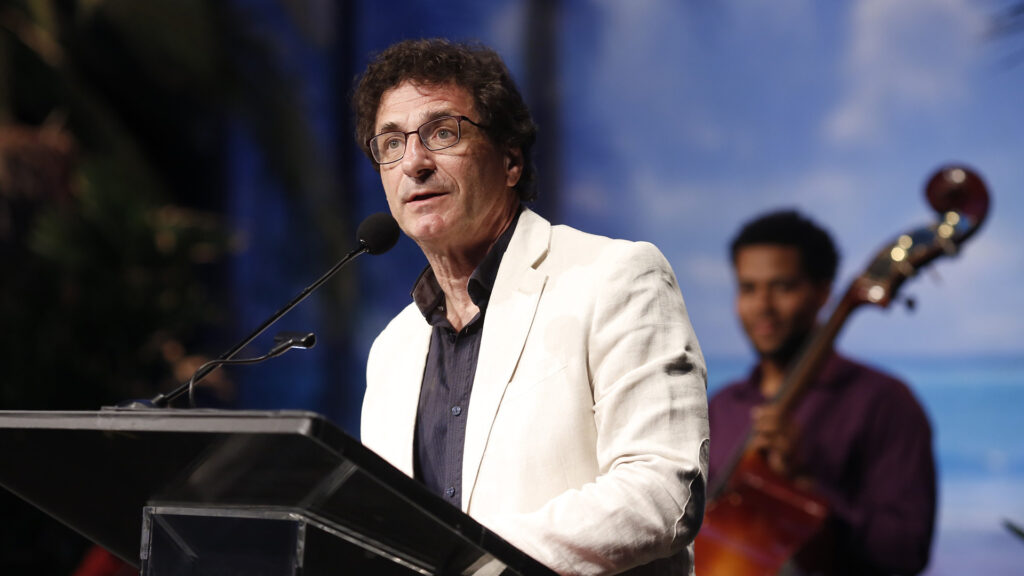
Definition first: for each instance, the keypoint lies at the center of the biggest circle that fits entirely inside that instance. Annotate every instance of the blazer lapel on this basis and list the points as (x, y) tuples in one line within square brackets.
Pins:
[(507, 322), (405, 403)]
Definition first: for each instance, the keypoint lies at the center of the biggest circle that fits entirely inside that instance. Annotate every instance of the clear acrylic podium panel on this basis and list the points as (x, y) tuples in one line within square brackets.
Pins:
[(97, 471), (216, 541)]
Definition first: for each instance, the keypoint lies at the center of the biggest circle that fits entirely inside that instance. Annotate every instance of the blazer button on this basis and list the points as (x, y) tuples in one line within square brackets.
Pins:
[(456, 410), (449, 491)]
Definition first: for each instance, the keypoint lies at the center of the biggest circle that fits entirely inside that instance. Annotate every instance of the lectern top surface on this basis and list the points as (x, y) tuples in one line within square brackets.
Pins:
[(166, 419), (95, 471)]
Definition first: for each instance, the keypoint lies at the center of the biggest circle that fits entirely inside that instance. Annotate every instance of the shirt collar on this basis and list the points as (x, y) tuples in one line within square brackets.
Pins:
[(427, 293), (829, 374)]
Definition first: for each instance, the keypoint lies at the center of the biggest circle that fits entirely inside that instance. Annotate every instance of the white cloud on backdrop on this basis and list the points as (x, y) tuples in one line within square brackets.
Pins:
[(902, 57)]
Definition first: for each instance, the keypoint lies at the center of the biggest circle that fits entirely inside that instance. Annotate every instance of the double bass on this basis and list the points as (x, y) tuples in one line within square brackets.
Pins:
[(755, 519)]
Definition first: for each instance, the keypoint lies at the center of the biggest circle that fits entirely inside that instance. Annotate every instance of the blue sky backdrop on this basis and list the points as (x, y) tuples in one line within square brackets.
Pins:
[(689, 118)]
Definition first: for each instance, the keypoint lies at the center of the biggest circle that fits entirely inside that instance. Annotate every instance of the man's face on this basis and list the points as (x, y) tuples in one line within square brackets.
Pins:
[(776, 301), (454, 198)]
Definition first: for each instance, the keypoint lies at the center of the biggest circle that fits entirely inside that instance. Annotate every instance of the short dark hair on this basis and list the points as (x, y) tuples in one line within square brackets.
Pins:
[(478, 69), (818, 255)]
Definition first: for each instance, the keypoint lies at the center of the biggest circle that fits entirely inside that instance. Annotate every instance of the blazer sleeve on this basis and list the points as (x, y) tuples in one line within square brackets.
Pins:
[(648, 380)]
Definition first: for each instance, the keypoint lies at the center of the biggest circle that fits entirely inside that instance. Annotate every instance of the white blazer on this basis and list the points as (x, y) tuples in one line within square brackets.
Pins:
[(587, 435)]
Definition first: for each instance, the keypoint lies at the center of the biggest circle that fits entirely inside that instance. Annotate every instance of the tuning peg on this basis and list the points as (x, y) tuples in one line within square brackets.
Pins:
[(910, 302), (905, 268), (948, 246)]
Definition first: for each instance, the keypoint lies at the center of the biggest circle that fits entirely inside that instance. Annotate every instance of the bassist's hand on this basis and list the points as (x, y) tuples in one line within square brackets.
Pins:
[(775, 437)]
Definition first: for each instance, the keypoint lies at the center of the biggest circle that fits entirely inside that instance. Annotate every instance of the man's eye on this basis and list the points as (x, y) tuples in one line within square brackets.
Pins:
[(443, 134), (393, 143)]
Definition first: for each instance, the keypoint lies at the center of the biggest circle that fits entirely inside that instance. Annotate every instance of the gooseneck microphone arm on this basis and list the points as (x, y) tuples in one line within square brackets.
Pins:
[(377, 234), (165, 399), (285, 341)]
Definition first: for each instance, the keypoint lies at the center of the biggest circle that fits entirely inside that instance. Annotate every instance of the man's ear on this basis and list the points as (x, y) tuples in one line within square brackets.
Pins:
[(513, 166)]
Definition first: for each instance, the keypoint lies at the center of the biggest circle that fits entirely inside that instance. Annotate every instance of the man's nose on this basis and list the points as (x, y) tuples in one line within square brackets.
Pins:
[(764, 301), (417, 161)]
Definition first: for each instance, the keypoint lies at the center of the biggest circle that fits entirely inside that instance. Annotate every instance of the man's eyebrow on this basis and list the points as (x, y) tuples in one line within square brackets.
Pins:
[(388, 127), (394, 127), (438, 114)]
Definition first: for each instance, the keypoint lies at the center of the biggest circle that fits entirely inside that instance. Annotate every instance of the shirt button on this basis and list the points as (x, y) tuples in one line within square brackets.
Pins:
[(456, 410), (449, 491)]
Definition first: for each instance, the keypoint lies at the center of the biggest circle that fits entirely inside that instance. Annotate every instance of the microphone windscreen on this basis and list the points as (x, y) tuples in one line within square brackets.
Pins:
[(378, 232)]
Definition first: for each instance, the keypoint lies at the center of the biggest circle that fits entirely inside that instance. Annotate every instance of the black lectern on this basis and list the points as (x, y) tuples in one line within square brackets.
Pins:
[(226, 492)]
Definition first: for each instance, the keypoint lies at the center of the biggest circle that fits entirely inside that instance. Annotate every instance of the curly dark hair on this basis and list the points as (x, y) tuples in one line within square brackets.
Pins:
[(819, 257), (503, 114)]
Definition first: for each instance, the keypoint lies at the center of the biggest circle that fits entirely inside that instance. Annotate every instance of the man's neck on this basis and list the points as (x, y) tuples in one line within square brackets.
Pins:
[(453, 269), (453, 278), (773, 373)]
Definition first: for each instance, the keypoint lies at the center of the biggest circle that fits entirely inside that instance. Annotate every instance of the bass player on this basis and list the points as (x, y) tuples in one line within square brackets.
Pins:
[(857, 437)]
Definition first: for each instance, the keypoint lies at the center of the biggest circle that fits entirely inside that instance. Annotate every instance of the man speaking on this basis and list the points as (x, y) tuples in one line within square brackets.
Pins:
[(544, 380)]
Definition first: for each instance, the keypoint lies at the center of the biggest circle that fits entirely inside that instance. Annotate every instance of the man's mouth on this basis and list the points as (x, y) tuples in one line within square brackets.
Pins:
[(424, 197), (764, 328)]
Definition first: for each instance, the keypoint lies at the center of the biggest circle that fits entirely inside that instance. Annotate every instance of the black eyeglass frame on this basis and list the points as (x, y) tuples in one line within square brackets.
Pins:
[(458, 137)]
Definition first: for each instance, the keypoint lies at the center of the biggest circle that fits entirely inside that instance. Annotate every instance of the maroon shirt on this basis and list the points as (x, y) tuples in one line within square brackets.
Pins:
[(867, 443)]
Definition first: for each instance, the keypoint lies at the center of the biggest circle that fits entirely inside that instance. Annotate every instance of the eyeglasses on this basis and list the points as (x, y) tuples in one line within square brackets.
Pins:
[(438, 134)]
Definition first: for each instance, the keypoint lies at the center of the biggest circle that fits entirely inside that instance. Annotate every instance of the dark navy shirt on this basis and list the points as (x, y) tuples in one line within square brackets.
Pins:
[(448, 375)]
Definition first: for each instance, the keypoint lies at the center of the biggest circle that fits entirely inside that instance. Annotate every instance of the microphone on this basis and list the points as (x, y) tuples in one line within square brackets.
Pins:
[(377, 234)]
